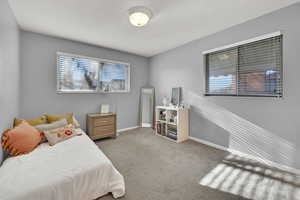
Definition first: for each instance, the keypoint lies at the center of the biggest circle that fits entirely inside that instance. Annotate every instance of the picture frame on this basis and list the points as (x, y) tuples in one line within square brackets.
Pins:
[(104, 108)]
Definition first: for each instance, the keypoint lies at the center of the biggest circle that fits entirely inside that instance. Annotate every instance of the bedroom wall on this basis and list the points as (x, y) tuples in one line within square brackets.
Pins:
[(38, 80), (9, 68), (264, 127)]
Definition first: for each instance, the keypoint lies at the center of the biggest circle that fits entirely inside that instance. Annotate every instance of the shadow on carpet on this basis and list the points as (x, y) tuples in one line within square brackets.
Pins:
[(250, 179)]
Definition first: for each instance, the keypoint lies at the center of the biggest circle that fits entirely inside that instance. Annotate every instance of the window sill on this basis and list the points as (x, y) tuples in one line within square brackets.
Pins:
[(234, 95), (91, 92)]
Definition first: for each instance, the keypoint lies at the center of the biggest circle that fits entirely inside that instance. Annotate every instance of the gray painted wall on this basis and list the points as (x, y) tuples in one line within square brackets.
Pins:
[(38, 80), (9, 68), (265, 127)]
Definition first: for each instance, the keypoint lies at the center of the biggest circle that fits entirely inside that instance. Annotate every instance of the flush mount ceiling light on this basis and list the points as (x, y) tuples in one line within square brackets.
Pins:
[(139, 16)]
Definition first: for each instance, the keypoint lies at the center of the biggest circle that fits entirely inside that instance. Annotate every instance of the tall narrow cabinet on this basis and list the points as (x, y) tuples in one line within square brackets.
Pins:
[(172, 123)]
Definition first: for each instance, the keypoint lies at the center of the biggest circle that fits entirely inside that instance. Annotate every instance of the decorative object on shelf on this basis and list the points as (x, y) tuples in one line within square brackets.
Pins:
[(175, 119), (172, 123), (162, 115), (147, 107), (165, 101), (101, 125), (182, 104), (176, 96)]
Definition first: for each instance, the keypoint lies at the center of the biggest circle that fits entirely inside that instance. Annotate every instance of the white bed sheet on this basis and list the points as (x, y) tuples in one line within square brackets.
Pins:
[(75, 169)]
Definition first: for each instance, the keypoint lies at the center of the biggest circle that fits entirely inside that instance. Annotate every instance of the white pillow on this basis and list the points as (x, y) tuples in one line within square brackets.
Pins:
[(55, 136), (53, 125), (46, 127)]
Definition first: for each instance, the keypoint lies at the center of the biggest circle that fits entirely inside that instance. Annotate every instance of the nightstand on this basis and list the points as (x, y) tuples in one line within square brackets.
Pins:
[(101, 125)]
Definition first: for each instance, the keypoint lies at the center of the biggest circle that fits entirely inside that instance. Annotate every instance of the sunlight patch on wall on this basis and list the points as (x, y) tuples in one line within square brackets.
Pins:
[(245, 136)]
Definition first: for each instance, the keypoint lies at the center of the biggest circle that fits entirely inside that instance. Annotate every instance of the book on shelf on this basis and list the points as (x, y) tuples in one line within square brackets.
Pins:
[(160, 128), (172, 137), (172, 133), (172, 128)]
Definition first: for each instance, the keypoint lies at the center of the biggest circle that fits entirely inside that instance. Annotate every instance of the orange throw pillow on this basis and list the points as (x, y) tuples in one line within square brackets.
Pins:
[(21, 140)]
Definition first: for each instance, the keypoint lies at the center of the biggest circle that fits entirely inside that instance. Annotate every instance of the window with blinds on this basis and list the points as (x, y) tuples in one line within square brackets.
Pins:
[(252, 69), (78, 74), (114, 77)]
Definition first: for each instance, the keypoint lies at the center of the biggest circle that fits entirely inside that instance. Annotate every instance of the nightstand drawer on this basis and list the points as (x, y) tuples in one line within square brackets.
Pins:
[(104, 130), (104, 121), (96, 137)]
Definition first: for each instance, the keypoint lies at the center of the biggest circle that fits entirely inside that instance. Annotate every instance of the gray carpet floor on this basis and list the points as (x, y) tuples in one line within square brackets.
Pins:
[(158, 169)]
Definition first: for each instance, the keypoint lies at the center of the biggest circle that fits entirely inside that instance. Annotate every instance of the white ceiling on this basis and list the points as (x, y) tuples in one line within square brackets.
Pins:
[(105, 22)]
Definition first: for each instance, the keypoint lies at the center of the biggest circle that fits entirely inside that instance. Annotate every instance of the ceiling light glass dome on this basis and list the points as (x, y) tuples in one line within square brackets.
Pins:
[(139, 16)]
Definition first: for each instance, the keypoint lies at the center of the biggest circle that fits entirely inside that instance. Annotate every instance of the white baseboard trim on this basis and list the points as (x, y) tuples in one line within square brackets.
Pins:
[(239, 153), (127, 129), (209, 144), (146, 125)]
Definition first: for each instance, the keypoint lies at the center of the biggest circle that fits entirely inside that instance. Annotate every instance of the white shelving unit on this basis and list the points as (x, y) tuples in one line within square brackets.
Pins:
[(172, 123)]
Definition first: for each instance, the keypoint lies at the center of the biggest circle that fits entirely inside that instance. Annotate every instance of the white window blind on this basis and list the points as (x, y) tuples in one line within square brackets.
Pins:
[(253, 69), (221, 71), (114, 77), (78, 74)]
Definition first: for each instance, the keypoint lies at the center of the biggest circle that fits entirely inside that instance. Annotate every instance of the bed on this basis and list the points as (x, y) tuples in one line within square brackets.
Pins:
[(75, 169)]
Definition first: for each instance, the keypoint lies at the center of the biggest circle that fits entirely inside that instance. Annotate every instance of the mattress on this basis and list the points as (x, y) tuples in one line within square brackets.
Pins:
[(75, 169)]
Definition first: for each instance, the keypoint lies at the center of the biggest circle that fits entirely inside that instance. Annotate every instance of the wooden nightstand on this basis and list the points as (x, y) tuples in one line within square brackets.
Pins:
[(101, 125)]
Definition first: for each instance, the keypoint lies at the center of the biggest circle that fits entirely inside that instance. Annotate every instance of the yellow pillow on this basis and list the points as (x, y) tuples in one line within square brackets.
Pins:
[(54, 118), (33, 121)]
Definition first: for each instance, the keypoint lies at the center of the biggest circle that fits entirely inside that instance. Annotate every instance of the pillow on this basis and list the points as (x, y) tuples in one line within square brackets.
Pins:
[(20, 140), (54, 118), (33, 121), (57, 124), (47, 127), (55, 136)]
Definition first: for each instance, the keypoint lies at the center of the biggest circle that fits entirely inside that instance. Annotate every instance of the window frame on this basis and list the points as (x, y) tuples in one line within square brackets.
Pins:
[(237, 45), (100, 61)]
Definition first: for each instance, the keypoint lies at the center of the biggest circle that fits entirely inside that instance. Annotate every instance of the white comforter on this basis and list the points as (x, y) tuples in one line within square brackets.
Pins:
[(75, 169)]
